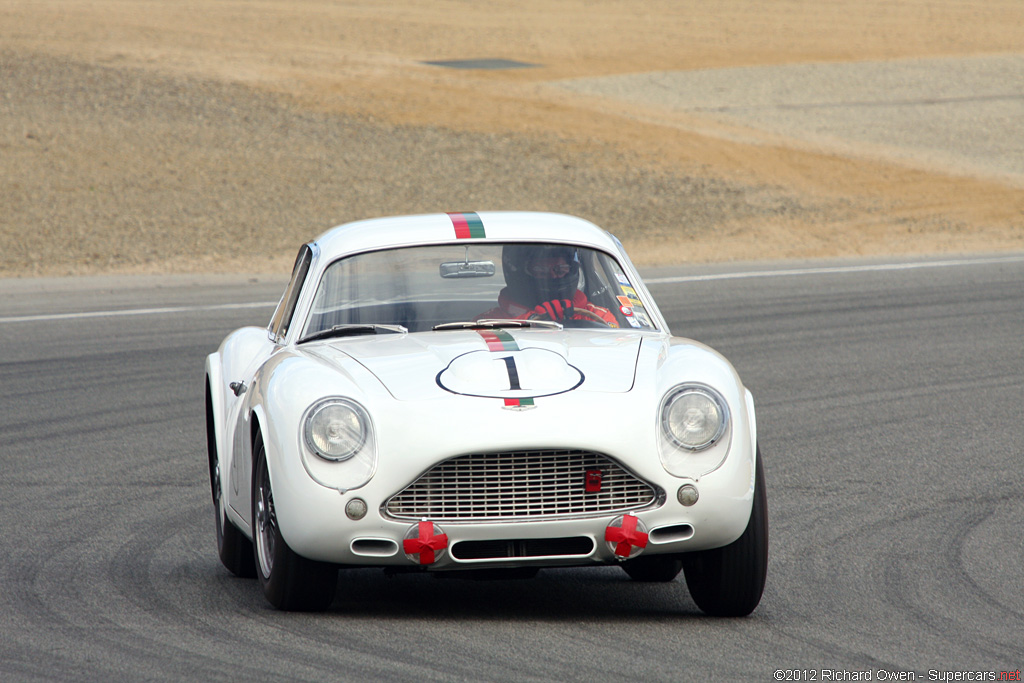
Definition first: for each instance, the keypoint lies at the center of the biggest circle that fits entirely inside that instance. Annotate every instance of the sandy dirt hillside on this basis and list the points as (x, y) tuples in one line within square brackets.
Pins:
[(217, 135)]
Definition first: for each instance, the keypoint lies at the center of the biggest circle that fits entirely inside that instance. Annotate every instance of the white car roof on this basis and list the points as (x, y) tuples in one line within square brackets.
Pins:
[(505, 226)]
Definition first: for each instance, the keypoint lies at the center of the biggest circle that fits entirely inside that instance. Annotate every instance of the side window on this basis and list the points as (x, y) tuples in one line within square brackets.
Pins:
[(282, 319)]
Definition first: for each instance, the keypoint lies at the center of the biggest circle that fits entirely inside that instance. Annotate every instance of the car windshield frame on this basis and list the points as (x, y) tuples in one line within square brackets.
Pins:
[(421, 287), (281, 321)]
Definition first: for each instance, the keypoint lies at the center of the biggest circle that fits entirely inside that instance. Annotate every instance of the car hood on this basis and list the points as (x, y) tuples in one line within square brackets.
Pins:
[(509, 364)]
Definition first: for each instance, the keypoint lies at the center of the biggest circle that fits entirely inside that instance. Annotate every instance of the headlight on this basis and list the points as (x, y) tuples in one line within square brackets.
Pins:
[(336, 429), (694, 417)]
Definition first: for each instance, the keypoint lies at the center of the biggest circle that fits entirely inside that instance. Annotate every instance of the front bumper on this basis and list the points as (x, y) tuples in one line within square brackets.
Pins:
[(313, 521), (317, 527)]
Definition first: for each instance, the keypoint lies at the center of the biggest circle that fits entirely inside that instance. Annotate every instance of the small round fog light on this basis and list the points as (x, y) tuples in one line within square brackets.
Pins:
[(355, 508), (687, 495)]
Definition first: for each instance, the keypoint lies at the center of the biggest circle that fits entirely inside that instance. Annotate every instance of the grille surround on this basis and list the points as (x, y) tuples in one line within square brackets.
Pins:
[(529, 485)]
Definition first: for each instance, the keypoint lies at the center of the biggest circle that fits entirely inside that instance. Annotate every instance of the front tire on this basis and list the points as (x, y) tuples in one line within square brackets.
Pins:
[(290, 582), (729, 581)]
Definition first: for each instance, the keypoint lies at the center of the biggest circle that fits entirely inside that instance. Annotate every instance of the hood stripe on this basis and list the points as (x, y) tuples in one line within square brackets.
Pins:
[(518, 402), (498, 340), (467, 225)]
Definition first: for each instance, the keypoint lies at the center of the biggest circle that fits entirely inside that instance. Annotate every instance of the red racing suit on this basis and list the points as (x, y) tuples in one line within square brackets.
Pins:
[(549, 310)]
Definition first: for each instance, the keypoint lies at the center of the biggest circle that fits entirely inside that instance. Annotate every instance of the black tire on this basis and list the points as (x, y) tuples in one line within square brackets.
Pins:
[(654, 568), (290, 582), (729, 581), (233, 547)]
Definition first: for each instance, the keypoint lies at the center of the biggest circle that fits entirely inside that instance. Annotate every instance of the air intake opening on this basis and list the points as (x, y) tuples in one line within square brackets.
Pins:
[(669, 534), (374, 547), (525, 547)]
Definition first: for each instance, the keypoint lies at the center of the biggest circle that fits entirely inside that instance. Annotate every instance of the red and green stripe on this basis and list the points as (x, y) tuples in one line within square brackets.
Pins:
[(467, 225), (518, 402), (498, 340)]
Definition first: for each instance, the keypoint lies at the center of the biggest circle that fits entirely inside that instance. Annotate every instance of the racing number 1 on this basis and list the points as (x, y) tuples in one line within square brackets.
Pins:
[(513, 373)]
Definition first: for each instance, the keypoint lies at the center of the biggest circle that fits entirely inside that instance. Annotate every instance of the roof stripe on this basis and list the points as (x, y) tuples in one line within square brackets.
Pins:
[(467, 225)]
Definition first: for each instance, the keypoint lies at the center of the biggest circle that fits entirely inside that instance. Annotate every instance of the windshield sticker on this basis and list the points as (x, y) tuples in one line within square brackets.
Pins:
[(632, 296), (467, 225), (629, 300)]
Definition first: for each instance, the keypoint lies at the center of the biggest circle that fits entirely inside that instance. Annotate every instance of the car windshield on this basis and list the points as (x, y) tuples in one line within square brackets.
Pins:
[(421, 288)]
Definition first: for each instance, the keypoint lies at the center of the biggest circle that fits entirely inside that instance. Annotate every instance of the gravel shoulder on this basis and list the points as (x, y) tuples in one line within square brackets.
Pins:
[(955, 115), (136, 139), (123, 170)]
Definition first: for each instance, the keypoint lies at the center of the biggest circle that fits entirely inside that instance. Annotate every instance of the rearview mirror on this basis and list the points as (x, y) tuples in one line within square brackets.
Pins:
[(458, 269)]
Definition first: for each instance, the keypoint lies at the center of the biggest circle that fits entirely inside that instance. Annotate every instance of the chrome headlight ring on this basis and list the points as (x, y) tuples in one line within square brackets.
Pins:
[(336, 429), (693, 417)]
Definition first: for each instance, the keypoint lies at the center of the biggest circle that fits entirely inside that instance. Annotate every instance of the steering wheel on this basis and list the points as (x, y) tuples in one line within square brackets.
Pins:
[(585, 312)]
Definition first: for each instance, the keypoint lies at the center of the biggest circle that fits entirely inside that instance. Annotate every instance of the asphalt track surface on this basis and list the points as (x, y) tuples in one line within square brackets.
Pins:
[(889, 412)]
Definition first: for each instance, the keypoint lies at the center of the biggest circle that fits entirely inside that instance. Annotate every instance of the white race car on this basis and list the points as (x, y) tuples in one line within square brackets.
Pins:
[(490, 393)]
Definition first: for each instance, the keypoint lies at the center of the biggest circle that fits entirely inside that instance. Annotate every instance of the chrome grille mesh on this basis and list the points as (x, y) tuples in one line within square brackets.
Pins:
[(519, 485)]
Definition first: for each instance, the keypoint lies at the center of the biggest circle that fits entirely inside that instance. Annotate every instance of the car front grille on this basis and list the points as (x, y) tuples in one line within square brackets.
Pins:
[(521, 485)]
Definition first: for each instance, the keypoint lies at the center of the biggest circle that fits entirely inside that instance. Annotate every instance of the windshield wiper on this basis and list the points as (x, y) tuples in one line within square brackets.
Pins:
[(353, 329), (491, 323)]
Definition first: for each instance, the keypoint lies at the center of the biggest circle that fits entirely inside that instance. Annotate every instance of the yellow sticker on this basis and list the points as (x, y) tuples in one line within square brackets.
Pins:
[(633, 298)]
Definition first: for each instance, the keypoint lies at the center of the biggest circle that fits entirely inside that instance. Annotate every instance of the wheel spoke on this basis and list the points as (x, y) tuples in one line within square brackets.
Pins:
[(216, 482), (266, 523)]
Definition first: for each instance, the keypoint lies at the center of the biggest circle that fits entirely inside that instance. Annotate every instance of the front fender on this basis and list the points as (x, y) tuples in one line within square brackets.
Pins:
[(752, 423), (666, 364), (236, 360), (283, 390), (214, 413)]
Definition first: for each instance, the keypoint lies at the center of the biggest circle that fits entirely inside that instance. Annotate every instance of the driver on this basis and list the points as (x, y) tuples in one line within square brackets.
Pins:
[(541, 282)]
